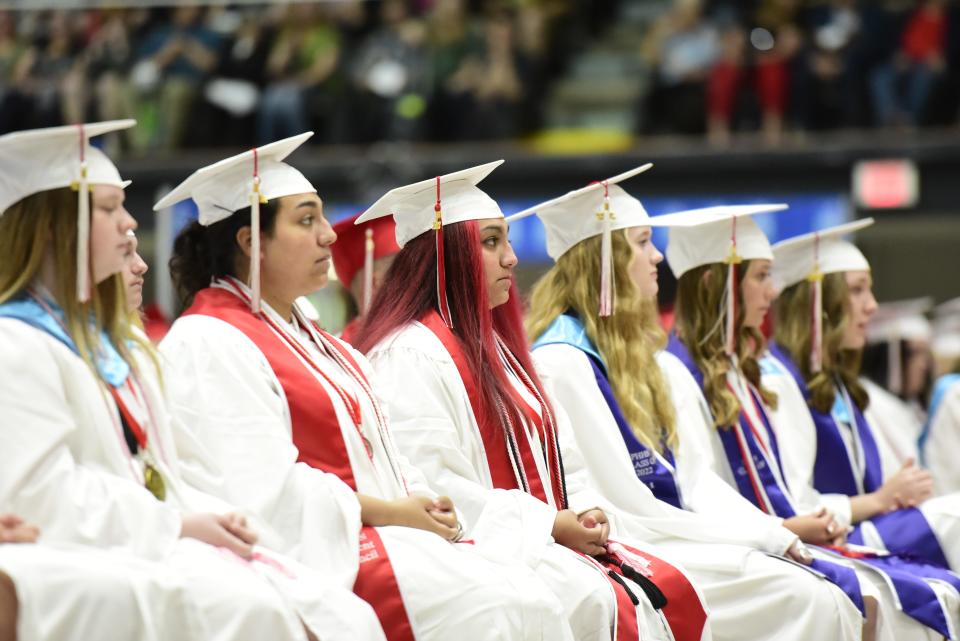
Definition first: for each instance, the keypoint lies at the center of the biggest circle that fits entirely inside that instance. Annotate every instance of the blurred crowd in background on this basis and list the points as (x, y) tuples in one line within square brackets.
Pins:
[(456, 70)]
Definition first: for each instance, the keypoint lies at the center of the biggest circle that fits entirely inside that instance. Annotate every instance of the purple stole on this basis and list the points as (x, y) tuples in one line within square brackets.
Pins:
[(904, 531), (758, 483), (566, 329), (646, 464), (917, 598)]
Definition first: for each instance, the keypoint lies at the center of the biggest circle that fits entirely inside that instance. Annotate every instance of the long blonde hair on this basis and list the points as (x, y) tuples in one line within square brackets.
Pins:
[(793, 334), (47, 221), (699, 298), (628, 340)]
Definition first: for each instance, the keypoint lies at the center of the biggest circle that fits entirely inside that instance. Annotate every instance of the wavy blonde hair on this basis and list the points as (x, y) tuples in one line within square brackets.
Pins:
[(698, 321), (47, 221), (794, 335), (628, 340)]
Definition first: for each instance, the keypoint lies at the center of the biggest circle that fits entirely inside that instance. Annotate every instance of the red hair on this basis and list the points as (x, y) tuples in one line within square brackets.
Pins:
[(408, 294)]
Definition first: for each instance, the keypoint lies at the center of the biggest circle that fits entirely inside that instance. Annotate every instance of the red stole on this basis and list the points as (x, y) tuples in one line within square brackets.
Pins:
[(317, 436), (377, 585), (316, 429), (684, 611), (495, 444)]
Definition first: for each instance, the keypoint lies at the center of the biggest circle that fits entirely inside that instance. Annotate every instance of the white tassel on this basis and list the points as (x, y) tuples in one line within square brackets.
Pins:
[(894, 365), (255, 200), (733, 261), (606, 260), (816, 320), (368, 250), (816, 347), (83, 235), (730, 313)]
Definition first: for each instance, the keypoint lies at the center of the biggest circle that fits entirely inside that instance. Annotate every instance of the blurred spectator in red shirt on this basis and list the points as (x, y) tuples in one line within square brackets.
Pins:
[(901, 88)]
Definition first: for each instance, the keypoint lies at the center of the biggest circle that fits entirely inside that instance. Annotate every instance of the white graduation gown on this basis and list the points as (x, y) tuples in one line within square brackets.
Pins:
[(696, 427), (78, 593), (65, 467), (893, 625), (751, 595), (797, 434), (235, 417), (434, 426), (943, 442)]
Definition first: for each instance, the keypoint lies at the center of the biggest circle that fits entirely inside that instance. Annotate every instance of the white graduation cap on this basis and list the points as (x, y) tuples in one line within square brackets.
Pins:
[(901, 320), (587, 212), (433, 203), (720, 234), (39, 160), (945, 345), (811, 256), (946, 331), (948, 309), (823, 252), (250, 179), (595, 210), (716, 235)]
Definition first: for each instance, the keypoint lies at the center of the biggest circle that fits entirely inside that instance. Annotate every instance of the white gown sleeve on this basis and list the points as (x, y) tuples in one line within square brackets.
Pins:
[(582, 490), (635, 511), (235, 442), (432, 424), (39, 477), (797, 437)]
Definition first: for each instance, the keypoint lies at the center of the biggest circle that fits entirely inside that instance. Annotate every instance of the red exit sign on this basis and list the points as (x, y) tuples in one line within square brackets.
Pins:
[(886, 184)]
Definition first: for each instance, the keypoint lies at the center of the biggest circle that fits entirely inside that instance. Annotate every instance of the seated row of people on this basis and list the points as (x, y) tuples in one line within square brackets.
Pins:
[(268, 480)]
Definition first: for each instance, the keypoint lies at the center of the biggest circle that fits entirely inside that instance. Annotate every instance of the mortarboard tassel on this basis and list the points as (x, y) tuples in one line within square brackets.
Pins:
[(256, 199), (733, 260), (606, 256), (442, 301), (83, 224), (816, 311), (368, 249), (894, 365)]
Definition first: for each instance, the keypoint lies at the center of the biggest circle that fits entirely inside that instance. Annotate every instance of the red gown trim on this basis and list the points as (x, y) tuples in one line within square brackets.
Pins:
[(377, 585)]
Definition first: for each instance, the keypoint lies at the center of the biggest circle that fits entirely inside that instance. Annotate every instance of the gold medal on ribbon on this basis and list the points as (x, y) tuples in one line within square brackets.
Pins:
[(153, 481)]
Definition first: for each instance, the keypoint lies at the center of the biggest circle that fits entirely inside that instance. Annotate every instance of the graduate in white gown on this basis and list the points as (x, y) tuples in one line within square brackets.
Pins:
[(467, 407), (283, 419), (600, 365), (86, 453), (723, 265), (835, 448), (897, 373), (940, 437)]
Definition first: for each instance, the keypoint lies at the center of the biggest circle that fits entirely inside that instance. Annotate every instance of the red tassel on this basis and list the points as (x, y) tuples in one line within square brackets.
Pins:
[(368, 251), (442, 303), (442, 282)]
